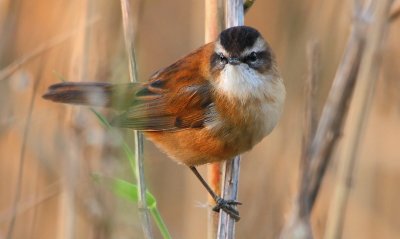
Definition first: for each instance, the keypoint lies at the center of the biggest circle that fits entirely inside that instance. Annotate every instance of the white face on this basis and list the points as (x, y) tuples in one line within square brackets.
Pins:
[(260, 97), (247, 77), (242, 82)]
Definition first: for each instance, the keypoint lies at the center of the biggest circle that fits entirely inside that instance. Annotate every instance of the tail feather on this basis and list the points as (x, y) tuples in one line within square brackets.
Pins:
[(92, 94)]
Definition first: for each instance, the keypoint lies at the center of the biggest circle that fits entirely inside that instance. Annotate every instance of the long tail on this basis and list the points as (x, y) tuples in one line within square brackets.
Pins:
[(92, 94)]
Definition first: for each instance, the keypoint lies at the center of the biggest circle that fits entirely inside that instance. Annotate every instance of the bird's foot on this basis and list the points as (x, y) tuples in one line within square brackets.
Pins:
[(228, 207)]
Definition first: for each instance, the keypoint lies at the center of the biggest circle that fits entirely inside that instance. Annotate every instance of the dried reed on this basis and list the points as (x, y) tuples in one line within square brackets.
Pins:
[(234, 16), (129, 32)]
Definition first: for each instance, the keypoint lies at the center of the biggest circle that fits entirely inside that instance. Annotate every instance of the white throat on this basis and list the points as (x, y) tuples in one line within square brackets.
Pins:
[(242, 82), (261, 95)]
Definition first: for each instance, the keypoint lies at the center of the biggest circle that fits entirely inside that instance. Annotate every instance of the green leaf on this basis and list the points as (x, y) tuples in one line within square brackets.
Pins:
[(129, 191), (127, 150), (101, 118), (126, 190)]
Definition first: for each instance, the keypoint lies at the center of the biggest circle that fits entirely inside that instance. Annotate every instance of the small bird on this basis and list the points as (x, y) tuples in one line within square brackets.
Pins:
[(215, 103)]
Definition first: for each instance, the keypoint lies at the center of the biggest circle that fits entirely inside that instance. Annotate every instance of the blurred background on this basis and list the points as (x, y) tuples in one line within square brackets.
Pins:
[(48, 151)]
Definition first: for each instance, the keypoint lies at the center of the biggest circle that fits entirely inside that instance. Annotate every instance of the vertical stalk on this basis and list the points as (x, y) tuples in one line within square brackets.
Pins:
[(129, 32), (358, 115), (329, 129), (234, 16), (226, 226), (213, 25)]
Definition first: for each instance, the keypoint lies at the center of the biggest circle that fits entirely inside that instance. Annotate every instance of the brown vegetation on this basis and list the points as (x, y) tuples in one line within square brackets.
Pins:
[(48, 151)]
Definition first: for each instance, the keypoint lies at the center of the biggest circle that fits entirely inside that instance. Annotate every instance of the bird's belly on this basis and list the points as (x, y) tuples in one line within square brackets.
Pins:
[(193, 146), (255, 121), (221, 140)]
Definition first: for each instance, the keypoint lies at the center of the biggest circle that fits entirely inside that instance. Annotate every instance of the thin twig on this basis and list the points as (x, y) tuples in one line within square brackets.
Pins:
[(310, 126), (234, 16), (358, 116), (329, 128), (310, 121), (129, 35), (333, 115)]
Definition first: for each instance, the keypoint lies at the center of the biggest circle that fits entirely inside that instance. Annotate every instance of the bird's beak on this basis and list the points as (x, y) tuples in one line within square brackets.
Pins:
[(234, 61)]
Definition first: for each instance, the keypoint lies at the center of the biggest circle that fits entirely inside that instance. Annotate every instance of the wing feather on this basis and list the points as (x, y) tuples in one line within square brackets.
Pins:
[(185, 109), (175, 98)]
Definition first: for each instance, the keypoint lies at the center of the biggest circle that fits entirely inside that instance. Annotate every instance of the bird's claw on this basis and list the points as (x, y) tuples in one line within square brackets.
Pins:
[(228, 207)]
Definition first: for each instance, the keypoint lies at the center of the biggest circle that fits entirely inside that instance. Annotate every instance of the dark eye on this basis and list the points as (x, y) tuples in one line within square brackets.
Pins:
[(223, 59), (252, 57)]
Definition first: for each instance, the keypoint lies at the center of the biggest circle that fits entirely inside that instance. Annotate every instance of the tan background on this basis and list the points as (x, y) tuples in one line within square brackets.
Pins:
[(58, 147)]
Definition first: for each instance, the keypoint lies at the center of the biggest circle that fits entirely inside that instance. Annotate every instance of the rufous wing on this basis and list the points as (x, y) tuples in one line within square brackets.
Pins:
[(175, 98), (165, 105)]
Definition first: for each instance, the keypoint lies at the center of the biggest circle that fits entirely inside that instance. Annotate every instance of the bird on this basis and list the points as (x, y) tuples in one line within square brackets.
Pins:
[(212, 104)]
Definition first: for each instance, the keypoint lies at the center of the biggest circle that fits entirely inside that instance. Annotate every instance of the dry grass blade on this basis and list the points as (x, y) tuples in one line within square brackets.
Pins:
[(329, 129), (129, 33), (358, 116), (333, 115), (310, 121)]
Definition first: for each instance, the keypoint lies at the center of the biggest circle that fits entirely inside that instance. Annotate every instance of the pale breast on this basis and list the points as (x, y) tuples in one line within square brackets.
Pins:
[(249, 108)]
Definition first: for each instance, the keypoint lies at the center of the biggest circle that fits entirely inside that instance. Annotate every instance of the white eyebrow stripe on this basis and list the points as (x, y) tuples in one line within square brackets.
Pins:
[(258, 46), (219, 49)]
